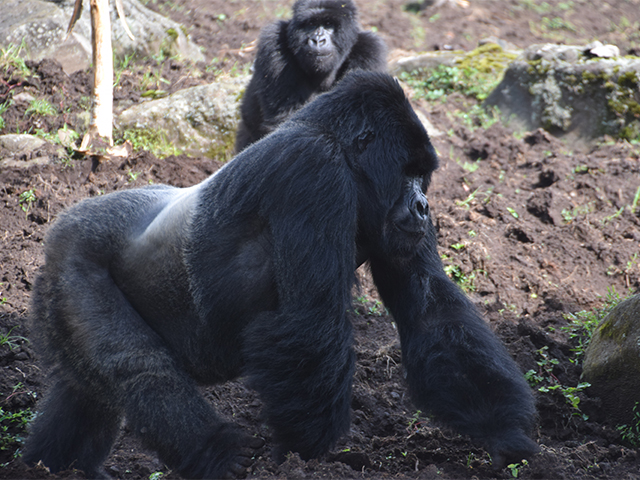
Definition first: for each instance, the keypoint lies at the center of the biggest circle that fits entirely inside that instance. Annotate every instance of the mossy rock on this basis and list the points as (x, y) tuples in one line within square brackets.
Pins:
[(612, 361), (198, 121), (566, 90)]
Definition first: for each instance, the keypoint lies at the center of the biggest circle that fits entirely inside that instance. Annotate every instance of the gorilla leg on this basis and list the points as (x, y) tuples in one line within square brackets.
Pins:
[(120, 365), (456, 367), (74, 429)]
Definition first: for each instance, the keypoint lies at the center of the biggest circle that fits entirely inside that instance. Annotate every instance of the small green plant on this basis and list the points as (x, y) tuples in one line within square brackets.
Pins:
[(27, 199), (570, 215), (415, 422), (541, 8), (515, 468), (455, 273), (12, 341), (479, 116), (12, 426), (150, 84), (545, 368), (557, 23), (546, 381), (465, 203), (40, 106), (569, 393), (613, 216), (583, 324), (376, 309), (513, 213), (154, 141), (369, 307), (471, 166), (3, 108), (12, 63), (156, 475), (631, 433), (120, 66), (634, 205), (132, 176)]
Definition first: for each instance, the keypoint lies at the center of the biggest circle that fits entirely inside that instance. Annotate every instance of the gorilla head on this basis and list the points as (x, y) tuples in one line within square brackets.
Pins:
[(321, 35), (146, 293), (299, 58)]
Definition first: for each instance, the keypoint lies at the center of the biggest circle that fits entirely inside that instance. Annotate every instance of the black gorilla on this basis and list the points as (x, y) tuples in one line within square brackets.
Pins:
[(302, 57), (146, 293)]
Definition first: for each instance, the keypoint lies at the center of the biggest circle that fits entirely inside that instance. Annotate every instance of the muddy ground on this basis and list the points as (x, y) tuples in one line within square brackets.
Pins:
[(533, 227)]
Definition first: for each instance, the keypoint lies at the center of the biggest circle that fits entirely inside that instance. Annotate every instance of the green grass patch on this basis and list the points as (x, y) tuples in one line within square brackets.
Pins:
[(155, 142)]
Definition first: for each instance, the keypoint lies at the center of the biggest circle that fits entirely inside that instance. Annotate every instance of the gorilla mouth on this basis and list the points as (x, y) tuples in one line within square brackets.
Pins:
[(321, 56)]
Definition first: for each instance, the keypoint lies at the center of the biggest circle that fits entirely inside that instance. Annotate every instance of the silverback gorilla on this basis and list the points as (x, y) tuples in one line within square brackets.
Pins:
[(302, 57), (146, 293)]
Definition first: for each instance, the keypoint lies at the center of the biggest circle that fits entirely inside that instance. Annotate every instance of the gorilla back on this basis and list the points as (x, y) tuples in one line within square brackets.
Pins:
[(146, 293)]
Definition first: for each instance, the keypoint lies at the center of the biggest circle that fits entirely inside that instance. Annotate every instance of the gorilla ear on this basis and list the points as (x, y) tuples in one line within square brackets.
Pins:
[(364, 139)]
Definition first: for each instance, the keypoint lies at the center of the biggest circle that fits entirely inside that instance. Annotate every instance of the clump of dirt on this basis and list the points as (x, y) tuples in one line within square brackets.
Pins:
[(533, 228)]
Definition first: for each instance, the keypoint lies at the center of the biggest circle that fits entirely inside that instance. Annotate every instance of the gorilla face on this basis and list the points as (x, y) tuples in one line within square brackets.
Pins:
[(321, 35), (400, 219)]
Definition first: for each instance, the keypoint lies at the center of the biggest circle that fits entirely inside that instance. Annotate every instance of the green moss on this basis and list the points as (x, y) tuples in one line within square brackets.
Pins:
[(614, 331), (224, 148), (154, 141), (590, 77), (489, 58)]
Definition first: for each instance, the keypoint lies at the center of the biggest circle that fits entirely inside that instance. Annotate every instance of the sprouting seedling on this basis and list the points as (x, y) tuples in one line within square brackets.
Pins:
[(27, 199), (636, 201)]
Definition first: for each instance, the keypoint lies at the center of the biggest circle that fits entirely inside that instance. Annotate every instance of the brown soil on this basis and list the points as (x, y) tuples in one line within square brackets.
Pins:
[(538, 230)]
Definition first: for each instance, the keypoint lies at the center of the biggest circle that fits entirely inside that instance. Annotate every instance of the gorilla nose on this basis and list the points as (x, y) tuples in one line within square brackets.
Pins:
[(421, 207), (318, 39), (317, 42)]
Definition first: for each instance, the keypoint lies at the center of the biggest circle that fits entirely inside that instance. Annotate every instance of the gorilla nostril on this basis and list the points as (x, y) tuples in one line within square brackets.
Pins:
[(422, 207)]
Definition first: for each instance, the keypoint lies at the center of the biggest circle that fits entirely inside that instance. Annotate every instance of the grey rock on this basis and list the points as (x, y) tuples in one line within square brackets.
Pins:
[(42, 25), (568, 90), (428, 61), (199, 120), (22, 151), (612, 361), (20, 143)]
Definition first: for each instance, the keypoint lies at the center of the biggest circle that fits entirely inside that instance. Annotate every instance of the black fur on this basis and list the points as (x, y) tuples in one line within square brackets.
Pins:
[(147, 292), (299, 58)]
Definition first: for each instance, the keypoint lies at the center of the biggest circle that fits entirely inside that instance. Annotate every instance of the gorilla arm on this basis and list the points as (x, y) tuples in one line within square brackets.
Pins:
[(299, 357), (456, 368)]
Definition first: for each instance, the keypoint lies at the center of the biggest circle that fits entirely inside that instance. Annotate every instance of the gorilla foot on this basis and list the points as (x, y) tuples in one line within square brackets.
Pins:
[(511, 448), (227, 454), (244, 457)]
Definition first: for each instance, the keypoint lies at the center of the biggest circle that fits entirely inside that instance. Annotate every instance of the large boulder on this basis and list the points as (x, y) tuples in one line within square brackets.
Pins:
[(586, 91), (199, 120), (42, 26), (612, 361)]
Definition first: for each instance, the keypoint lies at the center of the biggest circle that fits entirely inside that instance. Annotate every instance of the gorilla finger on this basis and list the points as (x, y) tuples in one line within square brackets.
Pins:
[(255, 442)]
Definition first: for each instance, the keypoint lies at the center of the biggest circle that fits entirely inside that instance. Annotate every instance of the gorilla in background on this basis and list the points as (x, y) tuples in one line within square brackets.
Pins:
[(302, 57), (146, 293)]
